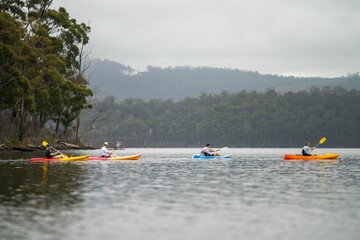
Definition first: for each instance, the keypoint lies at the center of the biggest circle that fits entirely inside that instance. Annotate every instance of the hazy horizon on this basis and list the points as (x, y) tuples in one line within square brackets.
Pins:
[(289, 38)]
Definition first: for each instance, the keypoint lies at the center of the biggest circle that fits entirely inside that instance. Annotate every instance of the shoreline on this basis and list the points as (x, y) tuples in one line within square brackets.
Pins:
[(26, 147)]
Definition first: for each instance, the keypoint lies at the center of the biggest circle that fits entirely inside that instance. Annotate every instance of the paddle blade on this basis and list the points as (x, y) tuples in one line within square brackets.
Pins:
[(118, 144), (322, 140), (44, 143)]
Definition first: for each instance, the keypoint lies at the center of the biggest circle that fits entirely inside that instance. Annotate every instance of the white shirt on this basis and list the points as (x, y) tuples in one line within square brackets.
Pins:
[(306, 149), (104, 152), (207, 150)]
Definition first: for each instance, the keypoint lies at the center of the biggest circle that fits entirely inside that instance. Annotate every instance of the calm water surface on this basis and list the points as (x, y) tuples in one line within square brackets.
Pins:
[(167, 195)]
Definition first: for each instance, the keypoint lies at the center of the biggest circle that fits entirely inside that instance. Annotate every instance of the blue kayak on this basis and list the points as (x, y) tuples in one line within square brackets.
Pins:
[(211, 157)]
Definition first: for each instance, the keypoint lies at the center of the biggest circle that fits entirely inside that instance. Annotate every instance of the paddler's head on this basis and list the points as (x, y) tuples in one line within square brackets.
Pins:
[(307, 143), (207, 145), (105, 144)]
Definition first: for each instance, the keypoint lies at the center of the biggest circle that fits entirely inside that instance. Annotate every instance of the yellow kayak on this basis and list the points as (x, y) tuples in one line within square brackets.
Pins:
[(78, 158), (129, 157)]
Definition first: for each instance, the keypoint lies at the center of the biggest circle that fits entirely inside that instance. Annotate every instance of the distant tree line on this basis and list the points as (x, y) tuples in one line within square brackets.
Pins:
[(123, 82), (41, 67), (243, 119)]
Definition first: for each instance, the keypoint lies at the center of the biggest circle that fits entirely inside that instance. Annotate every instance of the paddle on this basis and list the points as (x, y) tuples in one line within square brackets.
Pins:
[(320, 142), (118, 144), (223, 148), (44, 143), (220, 149)]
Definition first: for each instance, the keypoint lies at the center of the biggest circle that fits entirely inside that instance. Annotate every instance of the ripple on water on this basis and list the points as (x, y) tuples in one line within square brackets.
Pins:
[(169, 195)]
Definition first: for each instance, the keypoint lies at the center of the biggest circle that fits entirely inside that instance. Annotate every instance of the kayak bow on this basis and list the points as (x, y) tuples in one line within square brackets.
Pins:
[(328, 156)]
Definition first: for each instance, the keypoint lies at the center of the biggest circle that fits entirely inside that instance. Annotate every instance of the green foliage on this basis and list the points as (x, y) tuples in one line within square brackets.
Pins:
[(39, 64), (13, 86), (243, 119)]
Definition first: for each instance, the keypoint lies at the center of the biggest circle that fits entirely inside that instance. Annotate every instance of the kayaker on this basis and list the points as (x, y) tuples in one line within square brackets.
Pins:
[(306, 150), (105, 152), (49, 154), (207, 151)]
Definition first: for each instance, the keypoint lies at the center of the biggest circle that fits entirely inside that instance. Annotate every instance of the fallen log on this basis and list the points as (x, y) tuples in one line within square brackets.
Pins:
[(23, 149), (69, 145)]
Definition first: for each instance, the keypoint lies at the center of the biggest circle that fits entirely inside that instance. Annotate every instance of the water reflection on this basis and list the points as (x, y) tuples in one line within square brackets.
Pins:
[(20, 182), (45, 177)]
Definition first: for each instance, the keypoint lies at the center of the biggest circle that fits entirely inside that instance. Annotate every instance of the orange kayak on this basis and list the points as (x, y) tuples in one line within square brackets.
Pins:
[(327, 156)]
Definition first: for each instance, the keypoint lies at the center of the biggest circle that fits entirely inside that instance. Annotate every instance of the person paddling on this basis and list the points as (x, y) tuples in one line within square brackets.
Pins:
[(105, 152), (49, 154), (306, 150), (207, 151)]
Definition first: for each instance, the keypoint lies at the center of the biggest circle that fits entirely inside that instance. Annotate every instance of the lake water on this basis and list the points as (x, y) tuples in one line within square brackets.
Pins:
[(168, 195)]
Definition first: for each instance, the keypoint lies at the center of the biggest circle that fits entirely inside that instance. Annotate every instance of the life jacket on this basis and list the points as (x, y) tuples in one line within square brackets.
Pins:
[(305, 153), (48, 153)]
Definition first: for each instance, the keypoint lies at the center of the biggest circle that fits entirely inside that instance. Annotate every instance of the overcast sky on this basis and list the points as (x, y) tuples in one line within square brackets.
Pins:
[(285, 37)]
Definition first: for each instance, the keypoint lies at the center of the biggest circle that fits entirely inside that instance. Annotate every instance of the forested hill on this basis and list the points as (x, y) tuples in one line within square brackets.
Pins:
[(112, 78), (243, 119)]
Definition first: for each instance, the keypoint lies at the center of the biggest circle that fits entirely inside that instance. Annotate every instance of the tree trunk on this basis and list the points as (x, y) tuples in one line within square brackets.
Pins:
[(57, 124), (21, 120), (77, 128)]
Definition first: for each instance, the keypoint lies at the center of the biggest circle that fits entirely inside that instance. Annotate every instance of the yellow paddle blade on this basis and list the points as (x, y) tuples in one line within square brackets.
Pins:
[(44, 143), (322, 140)]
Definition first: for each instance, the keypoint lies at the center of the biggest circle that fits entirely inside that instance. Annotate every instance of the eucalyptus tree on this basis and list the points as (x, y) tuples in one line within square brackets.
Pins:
[(15, 88), (47, 60)]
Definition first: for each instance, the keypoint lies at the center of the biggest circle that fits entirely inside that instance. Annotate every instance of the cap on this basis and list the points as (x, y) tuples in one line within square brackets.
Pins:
[(106, 143)]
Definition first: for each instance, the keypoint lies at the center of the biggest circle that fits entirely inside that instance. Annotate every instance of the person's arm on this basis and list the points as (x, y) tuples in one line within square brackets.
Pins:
[(308, 150), (55, 153)]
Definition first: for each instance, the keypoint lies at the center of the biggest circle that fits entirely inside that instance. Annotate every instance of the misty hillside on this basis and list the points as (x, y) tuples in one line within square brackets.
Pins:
[(112, 78)]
